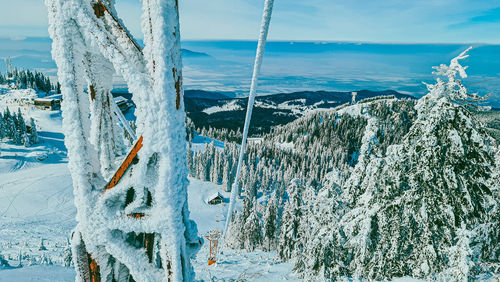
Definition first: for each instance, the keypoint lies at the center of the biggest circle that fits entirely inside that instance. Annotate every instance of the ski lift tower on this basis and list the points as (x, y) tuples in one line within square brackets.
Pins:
[(213, 237), (132, 211), (8, 64)]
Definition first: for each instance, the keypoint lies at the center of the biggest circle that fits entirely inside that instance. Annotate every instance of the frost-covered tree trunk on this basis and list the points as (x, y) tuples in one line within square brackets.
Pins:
[(135, 224)]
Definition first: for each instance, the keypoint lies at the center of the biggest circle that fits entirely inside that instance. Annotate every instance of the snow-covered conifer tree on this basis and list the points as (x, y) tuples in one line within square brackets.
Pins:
[(66, 255), (405, 211), (33, 132), (247, 207), (236, 233), (253, 229), (270, 226), (290, 221), (41, 247), (306, 225), (460, 257), (226, 176)]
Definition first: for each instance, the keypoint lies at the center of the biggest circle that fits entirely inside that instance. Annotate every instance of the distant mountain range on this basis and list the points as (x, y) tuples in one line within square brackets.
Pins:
[(301, 66), (189, 53), (226, 110), (220, 110)]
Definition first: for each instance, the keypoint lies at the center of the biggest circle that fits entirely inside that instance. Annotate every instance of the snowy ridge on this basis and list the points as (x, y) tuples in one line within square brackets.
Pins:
[(231, 106)]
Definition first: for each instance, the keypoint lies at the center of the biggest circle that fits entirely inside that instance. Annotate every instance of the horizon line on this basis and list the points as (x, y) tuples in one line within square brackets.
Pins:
[(317, 41)]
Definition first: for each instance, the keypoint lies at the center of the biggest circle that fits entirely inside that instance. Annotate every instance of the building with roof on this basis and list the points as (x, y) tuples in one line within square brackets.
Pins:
[(215, 199), (51, 104)]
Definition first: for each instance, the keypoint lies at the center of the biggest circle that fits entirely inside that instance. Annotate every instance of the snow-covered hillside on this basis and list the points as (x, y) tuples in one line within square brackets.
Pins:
[(36, 203), (377, 190), (381, 189)]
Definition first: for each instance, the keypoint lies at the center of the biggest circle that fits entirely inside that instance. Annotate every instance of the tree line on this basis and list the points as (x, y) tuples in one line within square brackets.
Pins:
[(24, 79), (323, 190), (14, 128)]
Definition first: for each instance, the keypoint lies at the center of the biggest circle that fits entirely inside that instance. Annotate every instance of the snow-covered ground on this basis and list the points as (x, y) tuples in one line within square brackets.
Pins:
[(43, 273), (36, 203), (231, 106)]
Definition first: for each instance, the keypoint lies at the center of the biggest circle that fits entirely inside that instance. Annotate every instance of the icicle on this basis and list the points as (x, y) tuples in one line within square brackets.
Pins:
[(266, 19)]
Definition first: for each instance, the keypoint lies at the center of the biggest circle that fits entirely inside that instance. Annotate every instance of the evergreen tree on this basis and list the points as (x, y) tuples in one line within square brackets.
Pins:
[(405, 211), (270, 222), (33, 132), (292, 214), (67, 256), (253, 230), (460, 257), (3, 128), (320, 252), (226, 176), (247, 207), (15, 135), (236, 234), (306, 225)]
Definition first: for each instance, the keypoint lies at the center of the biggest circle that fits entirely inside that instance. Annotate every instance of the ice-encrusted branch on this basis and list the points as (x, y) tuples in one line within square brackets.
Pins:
[(453, 89)]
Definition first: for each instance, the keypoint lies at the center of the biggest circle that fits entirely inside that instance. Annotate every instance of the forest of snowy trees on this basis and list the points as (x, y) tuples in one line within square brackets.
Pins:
[(13, 128), (322, 141), (23, 79), (381, 189)]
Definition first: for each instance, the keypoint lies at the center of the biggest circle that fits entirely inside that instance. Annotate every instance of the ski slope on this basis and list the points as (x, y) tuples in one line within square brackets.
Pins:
[(36, 203)]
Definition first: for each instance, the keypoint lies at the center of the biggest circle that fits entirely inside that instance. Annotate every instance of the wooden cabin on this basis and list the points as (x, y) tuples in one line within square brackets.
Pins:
[(215, 199), (51, 104)]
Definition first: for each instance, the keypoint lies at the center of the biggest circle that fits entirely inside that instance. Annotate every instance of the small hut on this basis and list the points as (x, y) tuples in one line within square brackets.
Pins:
[(215, 199), (47, 103)]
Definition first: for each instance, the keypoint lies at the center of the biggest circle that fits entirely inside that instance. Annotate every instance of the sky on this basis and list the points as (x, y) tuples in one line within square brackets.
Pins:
[(428, 21)]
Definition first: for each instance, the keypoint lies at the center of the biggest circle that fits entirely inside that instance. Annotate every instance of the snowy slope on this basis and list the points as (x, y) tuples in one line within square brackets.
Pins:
[(36, 195), (36, 202), (41, 206), (54, 273)]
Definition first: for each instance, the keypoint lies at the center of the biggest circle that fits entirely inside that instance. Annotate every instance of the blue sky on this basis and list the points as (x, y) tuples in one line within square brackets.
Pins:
[(330, 20)]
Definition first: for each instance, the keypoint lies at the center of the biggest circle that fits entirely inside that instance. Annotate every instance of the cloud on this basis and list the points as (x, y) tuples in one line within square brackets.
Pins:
[(486, 17)]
